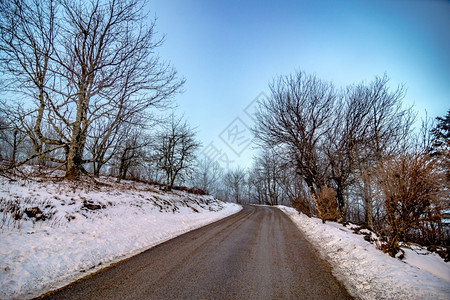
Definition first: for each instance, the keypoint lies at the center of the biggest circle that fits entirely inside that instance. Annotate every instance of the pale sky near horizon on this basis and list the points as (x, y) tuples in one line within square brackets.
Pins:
[(229, 51)]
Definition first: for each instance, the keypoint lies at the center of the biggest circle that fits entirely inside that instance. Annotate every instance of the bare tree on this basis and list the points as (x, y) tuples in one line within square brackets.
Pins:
[(387, 129), (345, 144), (206, 175), (296, 118), (389, 123), (264, 178), (107, 141), (103, 143), (81, 62), (175, 149), (296, 190), (330, 137), (369, 124), (256, 186), (13, 140), (411, 189), (235, 181), (130, 153)]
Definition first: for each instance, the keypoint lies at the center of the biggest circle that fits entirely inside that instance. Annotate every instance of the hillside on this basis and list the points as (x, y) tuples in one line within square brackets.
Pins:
[(54, 231)]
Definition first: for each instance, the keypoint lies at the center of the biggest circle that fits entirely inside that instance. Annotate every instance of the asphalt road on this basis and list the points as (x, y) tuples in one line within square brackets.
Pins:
[(257, 253)]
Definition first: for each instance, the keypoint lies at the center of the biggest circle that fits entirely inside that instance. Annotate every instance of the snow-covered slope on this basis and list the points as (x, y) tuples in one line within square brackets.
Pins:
[(369, 273), (52, 233)]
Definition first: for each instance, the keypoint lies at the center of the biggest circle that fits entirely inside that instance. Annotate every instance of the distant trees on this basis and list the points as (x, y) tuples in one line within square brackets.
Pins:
[(207, 175), (235, 183), (78, 64), (264, 178), (13, 142)]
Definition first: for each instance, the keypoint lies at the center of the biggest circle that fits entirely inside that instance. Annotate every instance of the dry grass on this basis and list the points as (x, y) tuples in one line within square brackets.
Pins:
[(410, 188)]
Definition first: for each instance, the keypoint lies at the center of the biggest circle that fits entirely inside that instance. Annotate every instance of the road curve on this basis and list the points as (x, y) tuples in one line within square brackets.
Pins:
[(257, 253)]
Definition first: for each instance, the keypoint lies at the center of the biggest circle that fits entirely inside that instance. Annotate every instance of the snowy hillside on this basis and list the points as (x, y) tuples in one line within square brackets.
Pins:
[(52, 233), (367, 272)]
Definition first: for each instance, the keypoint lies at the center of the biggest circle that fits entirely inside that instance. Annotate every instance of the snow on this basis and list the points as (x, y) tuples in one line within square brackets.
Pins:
[(37, 256), (73, 241), (430, 262), (366, 271)]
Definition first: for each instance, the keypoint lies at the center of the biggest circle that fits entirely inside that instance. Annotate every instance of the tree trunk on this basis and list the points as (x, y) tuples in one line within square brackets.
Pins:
[(14, 153), (122, 167), (78, 139), (368, 212), (168, 180), (368, 206), (74, 161), (341, 202), (75, 154), (96, 168), (313, 194)]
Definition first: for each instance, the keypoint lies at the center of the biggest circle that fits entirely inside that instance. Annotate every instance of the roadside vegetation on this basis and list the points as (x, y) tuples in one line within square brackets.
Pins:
[(86, 95), (356, 157)]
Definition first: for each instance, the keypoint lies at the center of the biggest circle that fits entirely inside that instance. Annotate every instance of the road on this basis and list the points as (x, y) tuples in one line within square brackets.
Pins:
[(257, 253)]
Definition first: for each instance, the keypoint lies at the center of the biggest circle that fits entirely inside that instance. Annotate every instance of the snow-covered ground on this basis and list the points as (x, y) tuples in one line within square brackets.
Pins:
[(81, 227), (369, 273)]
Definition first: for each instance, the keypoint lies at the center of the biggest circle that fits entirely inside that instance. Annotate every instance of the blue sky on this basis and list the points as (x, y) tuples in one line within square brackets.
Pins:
[(230, 50)]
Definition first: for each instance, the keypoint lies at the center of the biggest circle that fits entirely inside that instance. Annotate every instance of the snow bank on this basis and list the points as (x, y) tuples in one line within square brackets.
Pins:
[(85, 227), (367, 272)]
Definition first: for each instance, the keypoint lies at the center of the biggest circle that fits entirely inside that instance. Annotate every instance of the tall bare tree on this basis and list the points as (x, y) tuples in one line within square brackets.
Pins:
[(387, 129), (344, 144), (297, 117), (330, 136), (369, 124), (81, 62)]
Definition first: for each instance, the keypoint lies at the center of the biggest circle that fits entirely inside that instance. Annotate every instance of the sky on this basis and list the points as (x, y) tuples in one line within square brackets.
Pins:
[(229, 52)]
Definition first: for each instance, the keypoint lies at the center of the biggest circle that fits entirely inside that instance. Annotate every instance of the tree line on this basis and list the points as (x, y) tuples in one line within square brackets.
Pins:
[(83, 86), (347, 155), (353, 155), (84, 91)]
